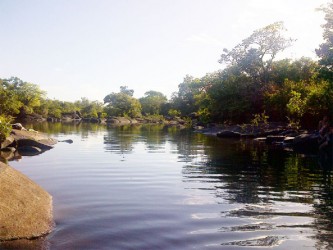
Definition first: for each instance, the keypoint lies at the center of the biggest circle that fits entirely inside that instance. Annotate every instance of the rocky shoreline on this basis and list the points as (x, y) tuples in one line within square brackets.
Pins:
[(25, 207), (303, 141), (22, 142)]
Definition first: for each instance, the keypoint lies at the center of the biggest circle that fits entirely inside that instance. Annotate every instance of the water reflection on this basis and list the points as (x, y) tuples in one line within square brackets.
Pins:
[(67, 128), (184, 190), (271, 183)]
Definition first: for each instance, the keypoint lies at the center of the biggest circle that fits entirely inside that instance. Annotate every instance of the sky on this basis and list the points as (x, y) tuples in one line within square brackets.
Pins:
[(89, 48)]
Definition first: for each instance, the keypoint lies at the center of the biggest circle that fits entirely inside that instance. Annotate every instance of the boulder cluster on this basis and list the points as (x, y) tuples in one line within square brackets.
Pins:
[(23, 142), (273, 133)]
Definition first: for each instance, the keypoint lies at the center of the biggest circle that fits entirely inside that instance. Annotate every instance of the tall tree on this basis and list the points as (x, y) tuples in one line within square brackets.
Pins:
[(152, 102), (254, 55), (325, 50), (122, 104), (29, 95)]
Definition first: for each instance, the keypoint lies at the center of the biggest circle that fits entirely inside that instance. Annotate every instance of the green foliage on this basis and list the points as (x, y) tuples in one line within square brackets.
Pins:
[(260, 119), (9, 102), (122, 104), (204, 115), (20, 97), (154, 118), (174, 113), (184, 99), (296, 104), (254, 55), (152, 102), (89, 109), (5, 127), (251, 83), (125, 90)]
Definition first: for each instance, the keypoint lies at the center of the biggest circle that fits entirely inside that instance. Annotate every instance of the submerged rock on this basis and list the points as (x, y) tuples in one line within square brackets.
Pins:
[(25, 208)]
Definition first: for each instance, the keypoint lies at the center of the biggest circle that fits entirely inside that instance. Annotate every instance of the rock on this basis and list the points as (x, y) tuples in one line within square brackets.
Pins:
[(123, 120), (29, 151), (173, 123), (7, 142), (32, 143), (26, 138), (25, 208), (199, 127), (18, 126), (228, 134), (7, 155), (306, 143), (112, 121), (8, 149), (134, 121), (271, 132), (260, 139), (70, 141), (288, 140), (274, 138)]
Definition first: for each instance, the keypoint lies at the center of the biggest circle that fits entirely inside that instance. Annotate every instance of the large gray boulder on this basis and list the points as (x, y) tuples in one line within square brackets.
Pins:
[(25, 208)]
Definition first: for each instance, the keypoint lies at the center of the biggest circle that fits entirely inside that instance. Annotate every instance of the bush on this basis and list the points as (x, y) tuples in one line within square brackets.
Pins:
[(5, 127)]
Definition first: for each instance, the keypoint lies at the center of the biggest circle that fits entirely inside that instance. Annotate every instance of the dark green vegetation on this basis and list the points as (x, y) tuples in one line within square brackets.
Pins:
[(252, 84)]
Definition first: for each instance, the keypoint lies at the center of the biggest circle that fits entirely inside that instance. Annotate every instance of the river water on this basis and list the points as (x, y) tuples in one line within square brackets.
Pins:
[(154, 187)]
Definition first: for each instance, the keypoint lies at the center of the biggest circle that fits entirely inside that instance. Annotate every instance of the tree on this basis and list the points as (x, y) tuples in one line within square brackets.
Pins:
[(302, 69), (254, 55), (126, 90), (184, 99), (9, 102), (152, 102), (122, 104), (325, 50), (28, 94)]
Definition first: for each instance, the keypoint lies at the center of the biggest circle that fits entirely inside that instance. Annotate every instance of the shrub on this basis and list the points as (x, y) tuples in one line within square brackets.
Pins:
[(5, 127)]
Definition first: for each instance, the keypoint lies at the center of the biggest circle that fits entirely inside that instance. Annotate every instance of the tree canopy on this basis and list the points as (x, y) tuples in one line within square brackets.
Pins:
[(252, 83)]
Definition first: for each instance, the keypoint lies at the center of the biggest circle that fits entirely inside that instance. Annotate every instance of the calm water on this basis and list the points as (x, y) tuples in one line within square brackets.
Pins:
[(152, 187)]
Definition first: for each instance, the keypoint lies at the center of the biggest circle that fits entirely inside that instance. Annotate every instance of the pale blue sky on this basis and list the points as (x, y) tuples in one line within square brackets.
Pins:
[(89, 48)]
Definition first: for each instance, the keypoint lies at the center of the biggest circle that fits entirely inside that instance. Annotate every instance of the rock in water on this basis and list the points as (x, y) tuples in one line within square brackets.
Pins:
[(306, 143), (25, 208), (228, 134)]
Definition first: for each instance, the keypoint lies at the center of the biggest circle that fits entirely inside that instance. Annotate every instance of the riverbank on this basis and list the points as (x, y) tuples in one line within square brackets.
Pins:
[(301, 140), (22, 142), (25, 207)]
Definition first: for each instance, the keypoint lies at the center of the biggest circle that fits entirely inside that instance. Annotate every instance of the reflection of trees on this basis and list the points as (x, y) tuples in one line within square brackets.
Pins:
[(252, 173), (67, 128), (121, 139), (244, 171)]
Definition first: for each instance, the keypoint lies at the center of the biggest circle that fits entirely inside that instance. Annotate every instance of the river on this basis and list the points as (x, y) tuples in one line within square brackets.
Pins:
[(156, 187)]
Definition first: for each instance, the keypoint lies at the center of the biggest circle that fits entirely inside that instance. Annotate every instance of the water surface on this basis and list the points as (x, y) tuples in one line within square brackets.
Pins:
[(154, 187)]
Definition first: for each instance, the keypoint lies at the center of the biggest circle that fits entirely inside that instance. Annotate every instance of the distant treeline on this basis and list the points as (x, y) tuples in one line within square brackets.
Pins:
[(252, 84)]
